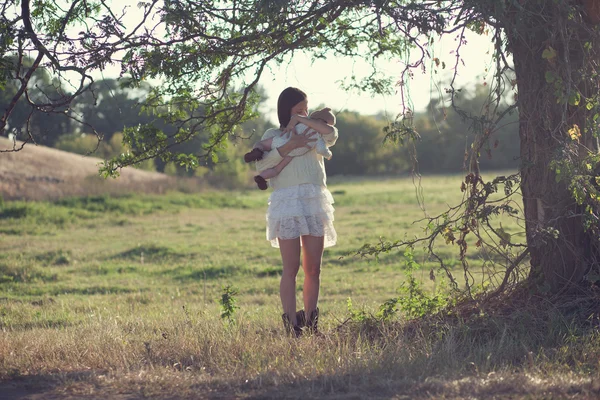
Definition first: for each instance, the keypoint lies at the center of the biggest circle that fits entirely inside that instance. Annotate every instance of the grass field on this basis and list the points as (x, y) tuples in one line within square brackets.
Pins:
[(119, 298)]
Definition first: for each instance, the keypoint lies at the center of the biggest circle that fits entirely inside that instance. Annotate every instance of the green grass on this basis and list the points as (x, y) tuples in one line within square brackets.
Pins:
[(120, 295)]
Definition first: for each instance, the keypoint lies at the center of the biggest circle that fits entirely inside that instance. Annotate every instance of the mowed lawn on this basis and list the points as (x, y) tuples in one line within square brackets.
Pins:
[(119, 298)]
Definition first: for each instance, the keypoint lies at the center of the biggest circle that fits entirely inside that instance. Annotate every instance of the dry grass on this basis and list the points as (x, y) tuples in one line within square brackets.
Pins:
[(44, 173), (196, 356)]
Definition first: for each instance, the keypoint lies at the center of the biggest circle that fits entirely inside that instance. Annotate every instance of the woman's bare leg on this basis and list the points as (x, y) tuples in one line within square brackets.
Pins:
[(290, 255), (312, 254)]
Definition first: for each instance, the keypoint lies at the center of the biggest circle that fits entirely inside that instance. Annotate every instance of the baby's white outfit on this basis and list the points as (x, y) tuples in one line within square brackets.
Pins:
[(319, 145)]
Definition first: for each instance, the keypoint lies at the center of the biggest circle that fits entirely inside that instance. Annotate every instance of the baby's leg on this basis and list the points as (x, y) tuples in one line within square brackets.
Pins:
[(261, 179), (257, 151), (322, 148), (264, 145), (272, 172)]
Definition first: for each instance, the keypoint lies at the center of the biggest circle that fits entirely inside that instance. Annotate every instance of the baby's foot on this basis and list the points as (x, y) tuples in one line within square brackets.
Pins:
[(261, 182), (253, 155), (322, 149)]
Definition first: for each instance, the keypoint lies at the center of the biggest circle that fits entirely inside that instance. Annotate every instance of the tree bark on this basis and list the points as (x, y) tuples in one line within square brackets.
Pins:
[(562, 251)]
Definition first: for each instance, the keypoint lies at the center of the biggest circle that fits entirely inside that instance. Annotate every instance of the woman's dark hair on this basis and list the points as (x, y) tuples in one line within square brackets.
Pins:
[(288, 99)]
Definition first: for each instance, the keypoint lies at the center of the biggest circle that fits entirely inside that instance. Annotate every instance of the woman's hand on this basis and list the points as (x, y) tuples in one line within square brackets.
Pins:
[(314, 124), (291, 125), (296, 140)]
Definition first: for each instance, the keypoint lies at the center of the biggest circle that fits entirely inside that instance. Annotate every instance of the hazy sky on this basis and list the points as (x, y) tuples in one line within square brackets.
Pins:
[(320, 80)]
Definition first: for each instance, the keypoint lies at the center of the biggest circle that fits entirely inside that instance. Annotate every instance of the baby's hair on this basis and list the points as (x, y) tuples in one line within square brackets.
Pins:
[(324, 114)]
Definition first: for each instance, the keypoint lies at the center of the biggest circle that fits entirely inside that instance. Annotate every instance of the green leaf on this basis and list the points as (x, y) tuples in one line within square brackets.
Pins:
[(574, 99), (589, 105), (549, 53), (550, 77), (557, 176)]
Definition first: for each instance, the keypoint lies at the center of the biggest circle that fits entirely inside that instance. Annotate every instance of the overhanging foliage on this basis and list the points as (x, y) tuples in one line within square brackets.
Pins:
[(210, 56)]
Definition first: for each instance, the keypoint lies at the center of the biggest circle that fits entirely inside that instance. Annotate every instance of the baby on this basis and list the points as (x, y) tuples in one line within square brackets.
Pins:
[(275, 142)]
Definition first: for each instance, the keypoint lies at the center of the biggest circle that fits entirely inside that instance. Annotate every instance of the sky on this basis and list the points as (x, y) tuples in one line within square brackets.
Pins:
[(321, 79)]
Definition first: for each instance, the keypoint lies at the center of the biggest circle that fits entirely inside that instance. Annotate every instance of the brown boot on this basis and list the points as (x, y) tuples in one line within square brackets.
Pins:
[(292, 330), (301, 318), (312, 322)]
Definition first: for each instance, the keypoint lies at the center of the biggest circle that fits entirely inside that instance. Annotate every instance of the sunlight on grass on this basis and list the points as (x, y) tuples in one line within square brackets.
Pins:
[(129, 287)]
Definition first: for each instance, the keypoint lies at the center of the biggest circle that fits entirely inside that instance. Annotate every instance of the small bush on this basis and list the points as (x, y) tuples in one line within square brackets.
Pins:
[(150, 253), (228, 303), (58, 257), (231, 172), (38, 214), (16, 211), (412, 299), (23, 274), (85, 144)]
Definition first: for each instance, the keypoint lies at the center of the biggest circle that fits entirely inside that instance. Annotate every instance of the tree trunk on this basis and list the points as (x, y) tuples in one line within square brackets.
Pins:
[(562, 251)]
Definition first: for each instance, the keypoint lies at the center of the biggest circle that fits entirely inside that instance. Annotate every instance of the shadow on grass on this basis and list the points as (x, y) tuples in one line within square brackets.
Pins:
[(208, 273), (151, 253), (380, 384), (46, 386), (92, 290), (47, 290), (519, 356), (45, 324), (269, 271), (55, 257), (10, 273), (360, 384), (9, 231)]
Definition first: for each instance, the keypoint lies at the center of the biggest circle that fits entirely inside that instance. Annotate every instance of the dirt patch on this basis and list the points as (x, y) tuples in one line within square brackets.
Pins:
[(12, 391), (44, 173), (33, 389), (93, 385)]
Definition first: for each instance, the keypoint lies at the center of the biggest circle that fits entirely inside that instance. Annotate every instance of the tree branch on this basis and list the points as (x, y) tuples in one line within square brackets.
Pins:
[(22, 89)]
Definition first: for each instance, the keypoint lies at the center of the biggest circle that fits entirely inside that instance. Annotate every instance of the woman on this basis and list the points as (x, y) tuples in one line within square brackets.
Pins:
[(300, 212)]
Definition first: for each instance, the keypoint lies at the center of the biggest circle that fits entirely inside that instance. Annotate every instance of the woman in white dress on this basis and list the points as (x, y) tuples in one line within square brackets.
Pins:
[(300, 211)]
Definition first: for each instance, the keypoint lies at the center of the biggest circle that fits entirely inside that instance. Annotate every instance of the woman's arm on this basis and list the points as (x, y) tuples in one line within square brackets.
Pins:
[(331, 138), (296, 141), (269, 160), (275, 156), (314, 124)]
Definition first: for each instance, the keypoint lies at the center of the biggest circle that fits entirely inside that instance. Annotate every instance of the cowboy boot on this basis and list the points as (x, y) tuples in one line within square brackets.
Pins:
[(301, 318), (292, 330), (312, 322)]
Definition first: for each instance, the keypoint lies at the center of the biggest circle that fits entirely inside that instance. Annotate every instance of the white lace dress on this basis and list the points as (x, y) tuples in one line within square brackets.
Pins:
[(305, 209)]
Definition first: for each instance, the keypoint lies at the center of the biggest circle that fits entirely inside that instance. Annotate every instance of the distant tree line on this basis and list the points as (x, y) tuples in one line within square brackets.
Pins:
[(111, 108), (446, 137)]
